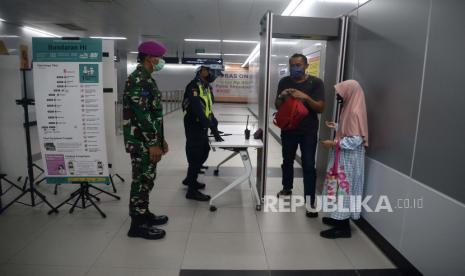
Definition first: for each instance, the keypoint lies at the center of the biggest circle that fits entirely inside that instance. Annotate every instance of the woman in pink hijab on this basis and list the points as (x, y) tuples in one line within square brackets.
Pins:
[(351, 139)]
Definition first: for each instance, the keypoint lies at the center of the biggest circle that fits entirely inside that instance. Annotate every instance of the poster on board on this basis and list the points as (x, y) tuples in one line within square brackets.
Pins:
[(237, 85), (68, 94), (314, 60)]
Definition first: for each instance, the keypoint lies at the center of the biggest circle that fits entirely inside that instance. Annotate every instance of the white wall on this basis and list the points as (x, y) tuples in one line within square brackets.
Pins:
[(430, 237), (13, 156)]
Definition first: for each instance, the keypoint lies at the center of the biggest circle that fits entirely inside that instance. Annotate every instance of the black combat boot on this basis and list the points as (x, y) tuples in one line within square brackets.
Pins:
[(140, 228), (340, 230), (153, 219), (197, 186), (196, 195), (284, 192)]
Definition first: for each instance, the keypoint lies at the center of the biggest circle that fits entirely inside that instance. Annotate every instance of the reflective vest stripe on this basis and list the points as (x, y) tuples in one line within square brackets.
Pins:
[(206, 97)]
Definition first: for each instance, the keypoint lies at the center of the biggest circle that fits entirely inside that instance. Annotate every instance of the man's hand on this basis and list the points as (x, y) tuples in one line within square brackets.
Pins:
[(165, 147), (328, 143), (155, 154), (217, 135), (299, 95)]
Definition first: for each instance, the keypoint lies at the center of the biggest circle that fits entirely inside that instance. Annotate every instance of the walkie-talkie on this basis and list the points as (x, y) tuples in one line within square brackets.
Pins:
[(247, 130)]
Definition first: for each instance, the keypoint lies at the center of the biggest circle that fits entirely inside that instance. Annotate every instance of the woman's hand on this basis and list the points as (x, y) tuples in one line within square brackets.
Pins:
[(332, 125), (328, 143)]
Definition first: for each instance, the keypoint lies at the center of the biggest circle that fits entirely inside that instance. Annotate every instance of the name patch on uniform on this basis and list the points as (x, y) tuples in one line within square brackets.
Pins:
[(195, 93), (144, 93)]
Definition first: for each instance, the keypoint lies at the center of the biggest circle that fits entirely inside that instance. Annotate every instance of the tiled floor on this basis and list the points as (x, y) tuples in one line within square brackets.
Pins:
[(235, 237)]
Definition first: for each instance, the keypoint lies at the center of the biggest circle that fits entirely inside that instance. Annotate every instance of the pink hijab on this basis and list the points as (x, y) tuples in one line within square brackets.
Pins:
[(353, 120)]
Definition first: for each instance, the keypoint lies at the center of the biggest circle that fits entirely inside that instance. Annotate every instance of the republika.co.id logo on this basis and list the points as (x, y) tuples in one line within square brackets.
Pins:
[(340, 203)]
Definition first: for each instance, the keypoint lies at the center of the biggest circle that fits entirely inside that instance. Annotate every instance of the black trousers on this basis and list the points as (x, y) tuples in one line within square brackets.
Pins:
[(307, 143), (197, 150)]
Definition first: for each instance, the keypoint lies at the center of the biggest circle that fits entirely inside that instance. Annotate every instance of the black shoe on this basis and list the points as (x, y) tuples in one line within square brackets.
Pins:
[(310, 214), (336, 232), (284, 192), (141, 229), (152, 219), (329, 221), (198, 185), (196, 195)]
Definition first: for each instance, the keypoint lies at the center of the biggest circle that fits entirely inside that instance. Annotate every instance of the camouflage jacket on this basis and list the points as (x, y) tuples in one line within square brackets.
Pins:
[(142, 112)]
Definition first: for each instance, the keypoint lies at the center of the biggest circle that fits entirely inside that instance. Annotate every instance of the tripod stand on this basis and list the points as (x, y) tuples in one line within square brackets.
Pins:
[(111, 177), (25, 102), (13, 185), (84, 195)]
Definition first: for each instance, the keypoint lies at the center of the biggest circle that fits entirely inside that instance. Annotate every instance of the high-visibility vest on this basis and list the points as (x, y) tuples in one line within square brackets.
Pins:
[(206, 100)]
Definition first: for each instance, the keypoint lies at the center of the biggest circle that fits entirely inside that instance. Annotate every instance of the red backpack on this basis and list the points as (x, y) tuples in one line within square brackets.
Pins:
[(289, 114)]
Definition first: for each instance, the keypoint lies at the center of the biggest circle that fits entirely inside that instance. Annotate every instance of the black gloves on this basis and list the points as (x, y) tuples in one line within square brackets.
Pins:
[(217, 135)]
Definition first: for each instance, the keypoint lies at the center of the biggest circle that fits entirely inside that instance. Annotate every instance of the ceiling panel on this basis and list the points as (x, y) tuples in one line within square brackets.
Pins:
[(169, 21)]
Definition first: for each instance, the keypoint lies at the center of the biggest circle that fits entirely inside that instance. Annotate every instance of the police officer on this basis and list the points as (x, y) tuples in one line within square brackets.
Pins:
[(143, 138), (198, 118)]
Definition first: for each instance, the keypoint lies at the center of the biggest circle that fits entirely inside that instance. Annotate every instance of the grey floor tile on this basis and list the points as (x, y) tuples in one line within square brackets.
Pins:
[(171, 197), (113, 271), (291, 222), (224, 251), (67, 246), (235, 198), (298, 251), (17, 231), (36, 270), (225, 220), (362, 253), (127, 252), (203, 272)]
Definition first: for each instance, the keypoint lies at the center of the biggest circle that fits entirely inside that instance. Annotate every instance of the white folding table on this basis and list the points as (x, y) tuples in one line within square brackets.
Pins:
[(237, 143)]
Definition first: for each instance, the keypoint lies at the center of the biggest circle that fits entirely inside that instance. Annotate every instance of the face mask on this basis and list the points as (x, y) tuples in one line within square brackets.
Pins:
[(297, 72), (211, 76), (159, 65)]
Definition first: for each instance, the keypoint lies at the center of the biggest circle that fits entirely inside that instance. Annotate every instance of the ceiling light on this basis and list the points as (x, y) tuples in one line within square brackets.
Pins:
[(253, 55), (233, 63), (291, 7), (239, 55), (133, 52), (2, 20), (179, 66), (282, 64), (8, 36), (209, 54), (284, 42), (42, 32), (201, 40), (239, 41), (110, 37)]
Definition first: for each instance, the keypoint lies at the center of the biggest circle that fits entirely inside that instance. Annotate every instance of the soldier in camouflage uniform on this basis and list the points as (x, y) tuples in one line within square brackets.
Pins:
[(143, 138)]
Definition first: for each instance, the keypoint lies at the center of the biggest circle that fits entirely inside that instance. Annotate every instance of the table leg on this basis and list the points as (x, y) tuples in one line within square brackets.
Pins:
[(248, 170)]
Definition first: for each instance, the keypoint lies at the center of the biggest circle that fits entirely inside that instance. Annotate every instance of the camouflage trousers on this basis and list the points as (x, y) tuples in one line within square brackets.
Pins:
[(143, 177)]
